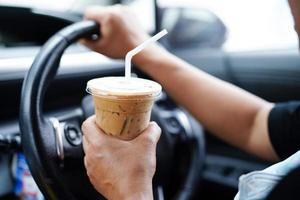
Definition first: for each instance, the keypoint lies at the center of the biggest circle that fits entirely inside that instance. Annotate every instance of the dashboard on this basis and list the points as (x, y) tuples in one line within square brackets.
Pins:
[(65, 93), (77, 66)]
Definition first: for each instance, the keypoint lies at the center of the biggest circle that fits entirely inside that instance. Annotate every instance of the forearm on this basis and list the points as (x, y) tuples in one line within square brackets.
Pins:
[(225, 110)]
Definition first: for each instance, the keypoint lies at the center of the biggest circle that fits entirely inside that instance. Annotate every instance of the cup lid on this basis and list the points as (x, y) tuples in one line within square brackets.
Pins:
[(121, 87)]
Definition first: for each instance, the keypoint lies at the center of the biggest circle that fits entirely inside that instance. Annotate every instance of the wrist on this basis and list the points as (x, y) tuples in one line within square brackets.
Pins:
[(149, 56), (157, 62), (143, 195), (141, 191)]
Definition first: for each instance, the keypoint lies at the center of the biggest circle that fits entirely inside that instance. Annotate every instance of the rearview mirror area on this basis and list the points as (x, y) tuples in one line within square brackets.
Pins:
[(192, 28)]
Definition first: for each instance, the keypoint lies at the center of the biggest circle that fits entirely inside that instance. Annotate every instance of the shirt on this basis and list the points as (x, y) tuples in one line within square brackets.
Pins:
[(284, 133)]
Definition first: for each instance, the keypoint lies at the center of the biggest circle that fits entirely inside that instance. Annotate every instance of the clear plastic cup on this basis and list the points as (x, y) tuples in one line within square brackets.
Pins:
[(123, 106)]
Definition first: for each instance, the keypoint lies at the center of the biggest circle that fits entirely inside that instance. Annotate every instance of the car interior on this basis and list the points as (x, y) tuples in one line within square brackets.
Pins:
[(43, 76)]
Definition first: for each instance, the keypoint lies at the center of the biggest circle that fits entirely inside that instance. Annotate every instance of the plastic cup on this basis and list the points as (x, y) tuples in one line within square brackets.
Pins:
[(123, 106)]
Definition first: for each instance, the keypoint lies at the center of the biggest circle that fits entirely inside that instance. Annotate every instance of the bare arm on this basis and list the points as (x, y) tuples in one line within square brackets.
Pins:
[(230, 113), (227, 111)]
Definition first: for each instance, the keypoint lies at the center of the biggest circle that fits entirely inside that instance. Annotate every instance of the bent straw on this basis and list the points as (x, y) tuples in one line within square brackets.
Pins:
[(139, 48)]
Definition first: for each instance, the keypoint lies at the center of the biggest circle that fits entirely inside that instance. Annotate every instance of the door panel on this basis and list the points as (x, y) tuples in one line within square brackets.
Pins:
[(272, 75)]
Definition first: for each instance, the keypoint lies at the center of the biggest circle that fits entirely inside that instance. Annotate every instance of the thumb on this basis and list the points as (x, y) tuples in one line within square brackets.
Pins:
[(92, 133), (150, 136)]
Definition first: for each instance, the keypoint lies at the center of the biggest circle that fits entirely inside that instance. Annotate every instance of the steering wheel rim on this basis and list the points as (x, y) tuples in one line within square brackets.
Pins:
[(36, 131), (39, 136)]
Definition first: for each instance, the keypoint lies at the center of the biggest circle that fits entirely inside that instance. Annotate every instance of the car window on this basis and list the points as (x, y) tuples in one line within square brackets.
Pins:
[(251, 24)]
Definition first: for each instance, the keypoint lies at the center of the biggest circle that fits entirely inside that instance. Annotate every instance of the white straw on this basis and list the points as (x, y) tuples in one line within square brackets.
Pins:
[(139, 48)]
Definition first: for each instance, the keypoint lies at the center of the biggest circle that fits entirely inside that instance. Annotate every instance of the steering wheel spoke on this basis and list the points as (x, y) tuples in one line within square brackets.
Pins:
[(68, 137)]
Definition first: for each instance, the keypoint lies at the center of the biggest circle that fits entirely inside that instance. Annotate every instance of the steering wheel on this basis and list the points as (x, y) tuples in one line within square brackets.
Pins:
[(53, 147)]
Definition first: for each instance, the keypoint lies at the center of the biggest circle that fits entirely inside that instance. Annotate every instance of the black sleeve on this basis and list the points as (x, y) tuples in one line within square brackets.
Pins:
[(284, 128)]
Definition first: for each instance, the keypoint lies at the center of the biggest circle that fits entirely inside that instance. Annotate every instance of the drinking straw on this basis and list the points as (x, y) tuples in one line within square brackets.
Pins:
[(139, 48)]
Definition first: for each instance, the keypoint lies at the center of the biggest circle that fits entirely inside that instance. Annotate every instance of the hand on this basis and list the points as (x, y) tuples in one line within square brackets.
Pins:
[(120, 169), (120, 30)]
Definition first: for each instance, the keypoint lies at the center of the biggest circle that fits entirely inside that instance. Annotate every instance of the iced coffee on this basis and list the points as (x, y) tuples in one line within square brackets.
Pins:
[(123, 106)]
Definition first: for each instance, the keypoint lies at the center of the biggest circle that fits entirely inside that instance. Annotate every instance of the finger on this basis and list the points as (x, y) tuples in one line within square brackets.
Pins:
[(85, 161), (95, 45), (85, 144), (89, 153), (151, 135), (93, 134)]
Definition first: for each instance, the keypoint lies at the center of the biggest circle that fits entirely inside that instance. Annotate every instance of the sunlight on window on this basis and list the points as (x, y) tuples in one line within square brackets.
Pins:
[(251, 24)]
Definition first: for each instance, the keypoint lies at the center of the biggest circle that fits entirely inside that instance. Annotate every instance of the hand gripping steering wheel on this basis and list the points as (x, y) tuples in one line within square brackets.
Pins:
[(55, 157)]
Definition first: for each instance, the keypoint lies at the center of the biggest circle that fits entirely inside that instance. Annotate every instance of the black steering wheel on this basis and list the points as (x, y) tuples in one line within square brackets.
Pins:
[(52, 144)]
